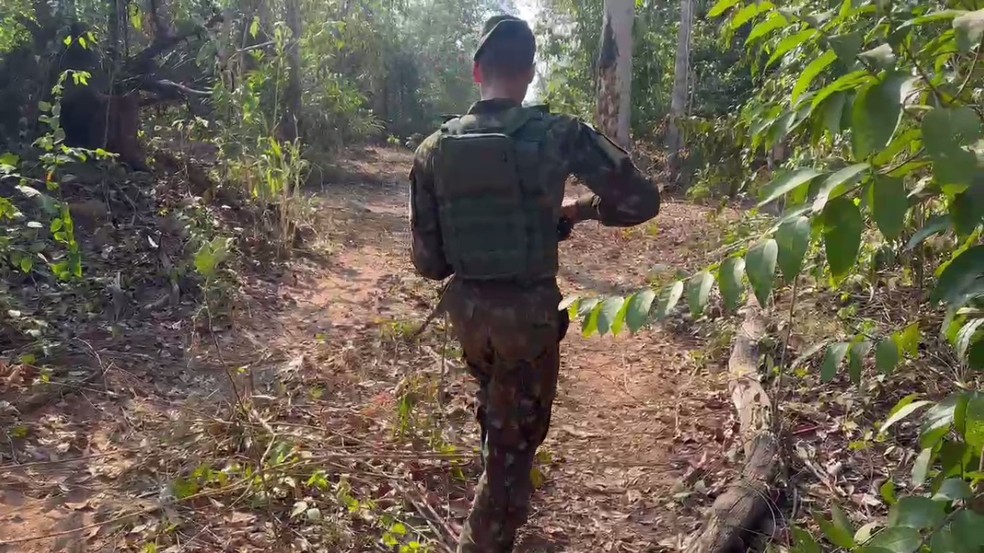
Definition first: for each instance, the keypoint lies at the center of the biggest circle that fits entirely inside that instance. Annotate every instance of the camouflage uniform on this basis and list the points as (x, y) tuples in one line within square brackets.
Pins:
[(510, 332)]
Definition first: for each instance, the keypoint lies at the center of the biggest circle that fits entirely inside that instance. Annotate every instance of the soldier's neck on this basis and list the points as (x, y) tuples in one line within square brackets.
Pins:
[(504, 91)]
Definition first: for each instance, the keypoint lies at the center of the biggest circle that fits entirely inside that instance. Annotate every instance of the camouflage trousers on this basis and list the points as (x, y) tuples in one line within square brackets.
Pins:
[(510, 337)]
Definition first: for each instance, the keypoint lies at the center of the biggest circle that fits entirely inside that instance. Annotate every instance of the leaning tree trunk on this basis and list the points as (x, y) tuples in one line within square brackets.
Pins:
[(615, 70), (678, 102), (292, 96)]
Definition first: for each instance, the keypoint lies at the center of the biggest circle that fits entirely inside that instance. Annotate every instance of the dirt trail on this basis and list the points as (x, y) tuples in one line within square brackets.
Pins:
[(634, 416), (641, 428)]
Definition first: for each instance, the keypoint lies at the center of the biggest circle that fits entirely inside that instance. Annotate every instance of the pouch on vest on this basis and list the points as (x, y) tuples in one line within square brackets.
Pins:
[(494, 220)]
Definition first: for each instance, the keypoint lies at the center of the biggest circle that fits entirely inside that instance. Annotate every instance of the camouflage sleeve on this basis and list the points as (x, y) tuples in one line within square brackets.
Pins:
[(622, 195), (427, 247)]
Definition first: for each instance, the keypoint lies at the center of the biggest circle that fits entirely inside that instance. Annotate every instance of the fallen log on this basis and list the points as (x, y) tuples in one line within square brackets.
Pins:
[(739, 515)]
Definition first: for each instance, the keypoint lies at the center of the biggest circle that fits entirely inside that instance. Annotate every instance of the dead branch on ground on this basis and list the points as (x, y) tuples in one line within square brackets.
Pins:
[(739, 515)]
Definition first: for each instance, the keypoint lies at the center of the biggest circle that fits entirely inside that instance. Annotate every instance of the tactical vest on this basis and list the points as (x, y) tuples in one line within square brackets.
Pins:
[(497, 218)]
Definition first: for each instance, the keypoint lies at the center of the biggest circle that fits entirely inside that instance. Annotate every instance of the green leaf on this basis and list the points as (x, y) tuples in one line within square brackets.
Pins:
[(967, 211), (787, 183), (589, 325), (961, 277), (956, 458), (943, 541), (748, 13), (909, 339), (790, 43), (838, 530), (945, 128), (847, 82), (842, 226), (772, 23), (974, 432), (936, 225), (887, 356), (832, 360), (780, 128), (668, 300), (975, 357), (637, 314), (26, 264), (859, 350), (833, 112), (966, 335), (897, 539), (969, 28), (730, 282), (876, 115), (698, 289), (902, 413), (841, 178), (584, 307), (879, 57), (760, 265), (803, 542), (909, 141), (902, 403), (944, 15), (864, 532), (945, 132), (608, 313), (211, 255), (571, 304), (916, 512), (887, 491), (920, 468), (619, 323), (136, 18), (793, 238), (721, 7), (953, 489), (811, 72), (847, 46), (968, 529), (889, 204)]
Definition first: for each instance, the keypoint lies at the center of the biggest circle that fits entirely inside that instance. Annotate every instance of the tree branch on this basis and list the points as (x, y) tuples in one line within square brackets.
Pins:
[(168, 88), (141, 62)]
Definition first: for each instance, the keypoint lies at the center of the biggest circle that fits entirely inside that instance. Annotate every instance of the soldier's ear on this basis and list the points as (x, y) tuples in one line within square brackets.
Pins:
[(477, 73)]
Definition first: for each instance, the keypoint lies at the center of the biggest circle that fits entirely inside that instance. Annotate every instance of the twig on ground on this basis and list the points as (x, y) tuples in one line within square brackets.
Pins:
[(449, 537), (95, 355)]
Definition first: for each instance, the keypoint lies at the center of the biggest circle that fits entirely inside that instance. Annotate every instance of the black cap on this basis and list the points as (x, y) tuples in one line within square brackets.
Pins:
[(506, 27)]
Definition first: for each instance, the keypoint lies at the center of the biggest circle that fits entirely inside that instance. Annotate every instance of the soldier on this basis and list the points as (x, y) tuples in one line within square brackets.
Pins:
[(487, 206)]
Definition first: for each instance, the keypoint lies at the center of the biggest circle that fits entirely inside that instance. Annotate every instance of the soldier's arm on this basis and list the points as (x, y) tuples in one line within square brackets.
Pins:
[(621, 195), (427, 247)]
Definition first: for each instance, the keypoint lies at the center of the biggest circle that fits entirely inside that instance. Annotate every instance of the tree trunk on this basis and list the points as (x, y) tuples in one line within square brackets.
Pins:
[(94, 120), (739, 515), (678, 102), (292, 96), (614, 109)]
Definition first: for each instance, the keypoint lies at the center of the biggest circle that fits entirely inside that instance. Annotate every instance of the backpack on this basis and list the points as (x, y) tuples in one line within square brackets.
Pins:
[(497, 219)]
